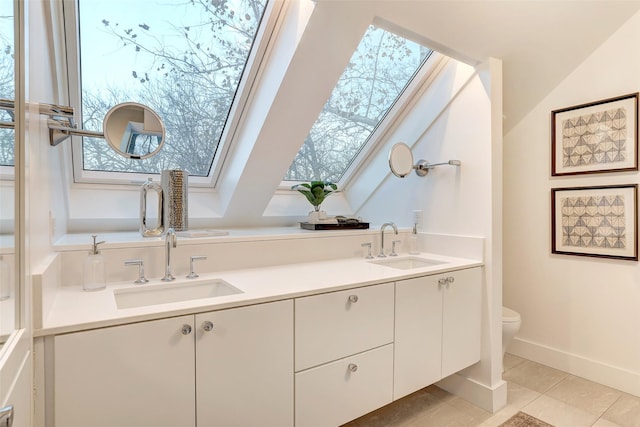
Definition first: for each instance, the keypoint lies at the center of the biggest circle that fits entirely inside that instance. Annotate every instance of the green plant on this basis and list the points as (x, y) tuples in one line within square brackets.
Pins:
[(316, 191)]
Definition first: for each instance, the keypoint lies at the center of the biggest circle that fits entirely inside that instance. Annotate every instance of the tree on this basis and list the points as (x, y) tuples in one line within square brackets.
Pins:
[(378, 72), (190, 83), (7, 86)]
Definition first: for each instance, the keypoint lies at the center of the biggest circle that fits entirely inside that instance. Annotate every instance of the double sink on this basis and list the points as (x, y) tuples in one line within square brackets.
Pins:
[(176, 292)]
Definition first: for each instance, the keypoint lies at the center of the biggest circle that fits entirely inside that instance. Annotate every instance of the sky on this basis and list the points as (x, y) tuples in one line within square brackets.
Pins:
[(104, 59)]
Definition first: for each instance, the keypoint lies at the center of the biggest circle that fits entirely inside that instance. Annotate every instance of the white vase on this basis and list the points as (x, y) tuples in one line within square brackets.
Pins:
[(316, 217)]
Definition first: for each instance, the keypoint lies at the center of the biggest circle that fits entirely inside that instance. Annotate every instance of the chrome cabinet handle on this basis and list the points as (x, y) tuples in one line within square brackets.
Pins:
[(451, 279), (6, 416), (207, 326), (353, 298), (186, 329), (352, 367), (442, 281)]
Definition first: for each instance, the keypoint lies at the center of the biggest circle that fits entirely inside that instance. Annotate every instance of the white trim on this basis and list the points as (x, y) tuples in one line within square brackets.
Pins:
[(491, 399), (575, 364)]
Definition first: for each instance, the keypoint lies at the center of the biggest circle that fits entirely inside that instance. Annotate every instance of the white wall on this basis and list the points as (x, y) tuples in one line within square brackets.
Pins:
[(579, 314)]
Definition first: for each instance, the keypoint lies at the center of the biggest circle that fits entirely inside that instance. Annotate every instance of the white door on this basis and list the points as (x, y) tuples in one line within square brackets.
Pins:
[(418, 334), (127, 376), (244, 366), (461, 321)]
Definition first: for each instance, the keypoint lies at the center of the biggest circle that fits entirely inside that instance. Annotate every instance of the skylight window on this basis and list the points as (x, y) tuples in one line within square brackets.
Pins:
[(377, 74), (185, 59), (7, 79)]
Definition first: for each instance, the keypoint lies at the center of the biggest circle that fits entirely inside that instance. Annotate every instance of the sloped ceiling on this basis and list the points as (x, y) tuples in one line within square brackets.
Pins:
[(539, 42)]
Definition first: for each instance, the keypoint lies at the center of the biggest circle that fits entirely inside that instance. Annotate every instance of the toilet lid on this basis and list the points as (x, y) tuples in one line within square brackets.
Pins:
[(509, 315)]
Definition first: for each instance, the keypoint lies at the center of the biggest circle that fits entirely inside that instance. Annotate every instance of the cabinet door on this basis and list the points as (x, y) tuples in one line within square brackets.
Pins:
[(461, 320), (244, 366), (337, 324), (418, 334), (126, 376), (332, 394)]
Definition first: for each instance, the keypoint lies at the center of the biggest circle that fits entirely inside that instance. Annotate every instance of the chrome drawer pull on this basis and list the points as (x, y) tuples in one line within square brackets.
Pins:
[(353, 298), (207, 326), (186, 329), (352, 367)]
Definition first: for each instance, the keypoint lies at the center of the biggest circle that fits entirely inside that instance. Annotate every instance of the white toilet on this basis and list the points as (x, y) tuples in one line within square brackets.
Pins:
[(510, 326)]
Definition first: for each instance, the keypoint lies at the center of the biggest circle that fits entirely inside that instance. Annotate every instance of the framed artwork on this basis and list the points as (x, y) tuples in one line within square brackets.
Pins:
[(597, 137), (595, 221)]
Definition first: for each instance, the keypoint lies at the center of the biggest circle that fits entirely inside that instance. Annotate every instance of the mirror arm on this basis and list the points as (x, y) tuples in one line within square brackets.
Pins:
[(423, 166), (58, 132), (61, 122)]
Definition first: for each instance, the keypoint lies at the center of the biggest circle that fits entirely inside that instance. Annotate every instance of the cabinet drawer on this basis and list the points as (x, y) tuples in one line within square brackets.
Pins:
[(340, 391), (337, 324)]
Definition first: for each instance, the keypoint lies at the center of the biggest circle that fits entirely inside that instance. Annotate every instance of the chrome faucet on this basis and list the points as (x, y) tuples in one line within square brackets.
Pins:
[(385, 225), (170, 240)]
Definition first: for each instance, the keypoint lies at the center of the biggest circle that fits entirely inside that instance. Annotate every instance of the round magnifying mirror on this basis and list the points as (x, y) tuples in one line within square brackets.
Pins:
[(401, 160), (134, 130)]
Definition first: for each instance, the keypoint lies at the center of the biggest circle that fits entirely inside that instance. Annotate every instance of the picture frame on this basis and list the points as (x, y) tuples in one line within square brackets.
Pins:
[(597, 137), (595, 221)]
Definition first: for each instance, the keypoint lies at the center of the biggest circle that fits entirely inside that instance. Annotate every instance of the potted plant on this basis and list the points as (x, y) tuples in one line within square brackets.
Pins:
[(315, 192)]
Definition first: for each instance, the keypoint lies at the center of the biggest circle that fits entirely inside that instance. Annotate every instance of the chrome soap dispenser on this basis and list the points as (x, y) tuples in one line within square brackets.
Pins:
[(93, 269)]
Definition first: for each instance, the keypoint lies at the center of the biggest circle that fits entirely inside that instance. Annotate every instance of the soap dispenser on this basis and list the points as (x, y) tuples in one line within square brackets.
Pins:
[(413, 237), (413, 241), (93, 269)]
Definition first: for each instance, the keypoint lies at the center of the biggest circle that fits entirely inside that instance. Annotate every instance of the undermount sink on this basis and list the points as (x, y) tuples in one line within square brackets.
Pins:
[(172, 292), (407, 263)]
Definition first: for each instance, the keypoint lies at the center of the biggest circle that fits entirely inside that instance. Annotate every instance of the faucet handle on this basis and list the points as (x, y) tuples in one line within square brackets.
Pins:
[(140, 263), (192, 274), (393, 247), (368, 246)]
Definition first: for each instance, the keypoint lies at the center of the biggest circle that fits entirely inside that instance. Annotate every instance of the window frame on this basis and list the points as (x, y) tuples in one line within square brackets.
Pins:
[(403, 103), (250, 74)]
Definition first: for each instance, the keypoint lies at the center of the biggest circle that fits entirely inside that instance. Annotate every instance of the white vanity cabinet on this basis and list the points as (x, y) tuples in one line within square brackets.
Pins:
[(130, 376), (343, 354), (226, 368), (437, 328), (244, 366)]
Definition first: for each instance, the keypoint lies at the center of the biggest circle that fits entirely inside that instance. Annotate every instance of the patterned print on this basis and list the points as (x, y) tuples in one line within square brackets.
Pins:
[(597, 138), (594, 222)]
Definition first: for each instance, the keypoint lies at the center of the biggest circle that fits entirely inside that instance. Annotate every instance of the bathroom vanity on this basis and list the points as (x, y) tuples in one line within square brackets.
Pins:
[(292, 348)]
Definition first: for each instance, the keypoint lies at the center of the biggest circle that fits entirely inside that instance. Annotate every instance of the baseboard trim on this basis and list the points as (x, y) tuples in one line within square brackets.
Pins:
[(487, 398), (593, 370)]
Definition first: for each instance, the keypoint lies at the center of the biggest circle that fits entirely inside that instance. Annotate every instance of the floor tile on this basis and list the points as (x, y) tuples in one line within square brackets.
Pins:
[(478, 414), (511, 361), (444, 415), (499, 417), (584, 394), (625, 411), (534, 376), (604, 423), (559, 413), (402, 411), (519, 396)]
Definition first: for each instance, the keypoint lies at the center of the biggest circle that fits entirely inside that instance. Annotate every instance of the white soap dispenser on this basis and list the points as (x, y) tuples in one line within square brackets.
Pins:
[(93, 269)]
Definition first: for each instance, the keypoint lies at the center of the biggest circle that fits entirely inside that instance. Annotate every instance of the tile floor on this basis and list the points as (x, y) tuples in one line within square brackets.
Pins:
[(553, 396)]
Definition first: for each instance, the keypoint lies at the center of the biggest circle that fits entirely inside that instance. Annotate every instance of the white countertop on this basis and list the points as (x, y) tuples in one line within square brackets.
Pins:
[(72, 309)]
